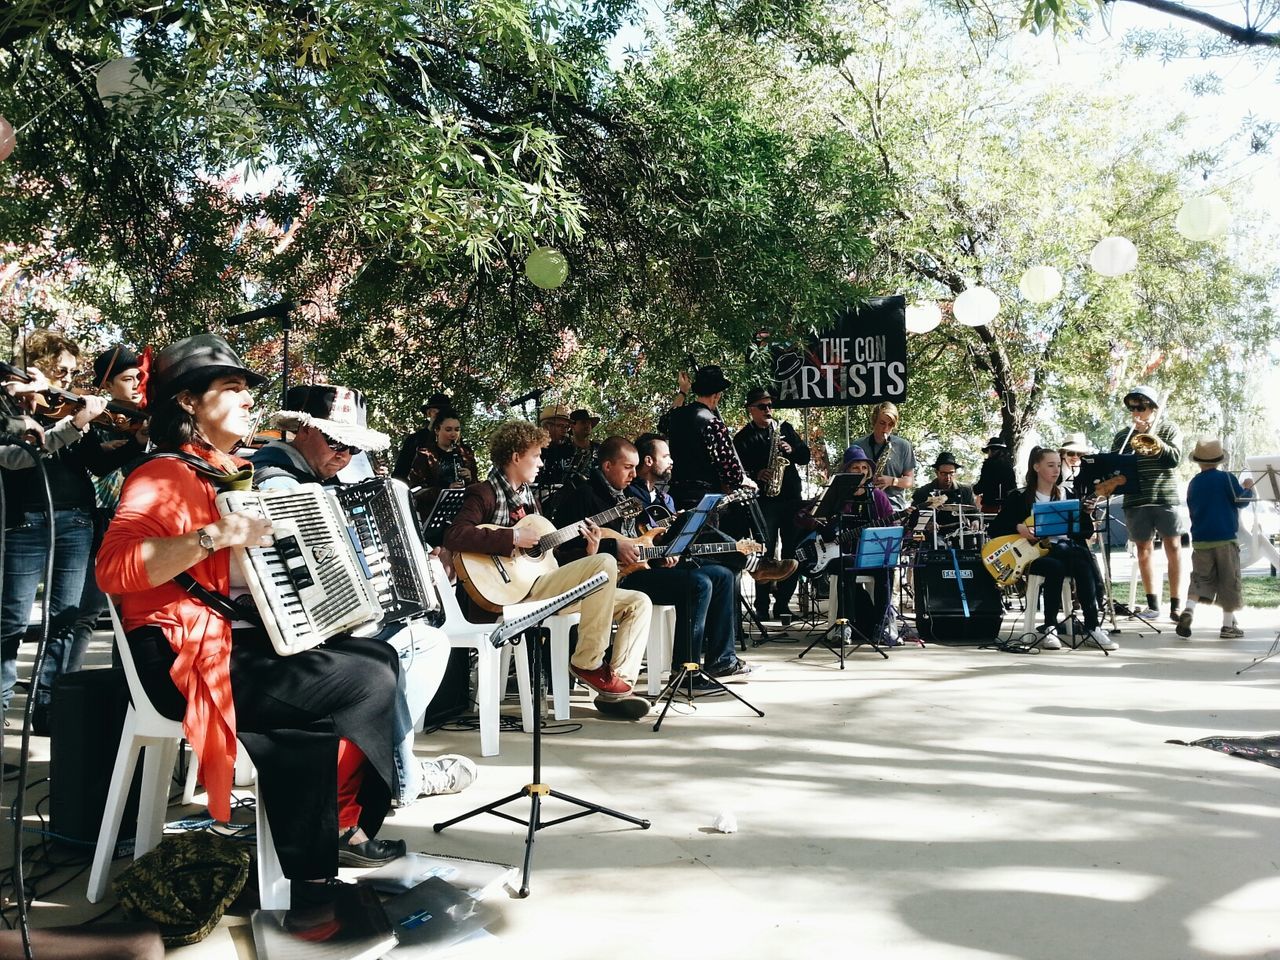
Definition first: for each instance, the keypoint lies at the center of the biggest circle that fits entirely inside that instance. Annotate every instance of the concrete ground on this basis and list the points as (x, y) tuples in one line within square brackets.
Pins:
[(948, 802)]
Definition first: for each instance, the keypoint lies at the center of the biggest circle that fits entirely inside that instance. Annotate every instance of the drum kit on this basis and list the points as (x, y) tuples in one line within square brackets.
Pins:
[(956, 525)]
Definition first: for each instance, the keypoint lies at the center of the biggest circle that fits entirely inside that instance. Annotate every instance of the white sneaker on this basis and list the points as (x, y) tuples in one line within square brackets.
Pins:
[(450, 773), (1150, 613), (1104, 639), (1049, 638)]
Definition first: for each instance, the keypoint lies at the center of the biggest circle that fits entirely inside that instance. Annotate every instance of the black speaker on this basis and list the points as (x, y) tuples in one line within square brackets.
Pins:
[(453, 697), (940, 608), (85, 723)]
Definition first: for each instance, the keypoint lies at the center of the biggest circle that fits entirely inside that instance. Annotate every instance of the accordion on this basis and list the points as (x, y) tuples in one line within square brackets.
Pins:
[(344, 560)]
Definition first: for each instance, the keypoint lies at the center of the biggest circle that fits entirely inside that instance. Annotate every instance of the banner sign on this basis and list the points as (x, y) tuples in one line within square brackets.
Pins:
[(862, 361)]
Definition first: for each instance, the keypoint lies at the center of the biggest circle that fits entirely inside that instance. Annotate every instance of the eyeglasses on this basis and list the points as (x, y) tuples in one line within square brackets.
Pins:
[(763, 406), (337, 447), (64, 373)]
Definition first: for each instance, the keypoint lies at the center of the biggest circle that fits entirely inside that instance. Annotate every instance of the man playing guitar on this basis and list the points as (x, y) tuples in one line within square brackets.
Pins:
[(515, 448), (704, 597)]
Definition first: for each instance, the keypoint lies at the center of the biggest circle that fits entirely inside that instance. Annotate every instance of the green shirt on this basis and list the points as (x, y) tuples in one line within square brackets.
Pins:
[(1157, 479)]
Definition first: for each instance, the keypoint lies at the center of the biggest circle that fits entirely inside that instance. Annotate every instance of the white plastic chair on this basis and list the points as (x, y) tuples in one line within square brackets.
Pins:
[(161, 737), (462, 633), (1034, 583), (662, 640)]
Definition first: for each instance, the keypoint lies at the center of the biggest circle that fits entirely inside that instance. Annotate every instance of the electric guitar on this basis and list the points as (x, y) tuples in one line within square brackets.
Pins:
[(494, 582), (647, 551), (1006, 558)]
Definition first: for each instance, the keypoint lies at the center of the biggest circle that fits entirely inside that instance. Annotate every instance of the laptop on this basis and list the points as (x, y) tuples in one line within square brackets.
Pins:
[(433, 917)]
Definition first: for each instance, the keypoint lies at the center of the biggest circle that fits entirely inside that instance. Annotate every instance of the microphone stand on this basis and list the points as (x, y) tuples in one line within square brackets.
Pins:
[(283, 312)]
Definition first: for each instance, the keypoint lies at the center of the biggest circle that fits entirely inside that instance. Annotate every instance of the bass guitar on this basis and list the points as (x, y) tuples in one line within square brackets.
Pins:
[(494, 582), (647, 551), (1007, 558)]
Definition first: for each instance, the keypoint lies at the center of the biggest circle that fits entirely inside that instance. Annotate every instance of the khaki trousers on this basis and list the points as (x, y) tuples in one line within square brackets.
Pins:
[(629, 608)]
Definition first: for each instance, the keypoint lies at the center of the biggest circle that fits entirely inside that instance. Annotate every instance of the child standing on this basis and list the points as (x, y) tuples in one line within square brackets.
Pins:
[(1215, 498)]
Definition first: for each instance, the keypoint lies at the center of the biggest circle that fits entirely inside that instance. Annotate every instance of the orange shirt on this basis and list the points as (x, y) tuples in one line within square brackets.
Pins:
[(167, 498)]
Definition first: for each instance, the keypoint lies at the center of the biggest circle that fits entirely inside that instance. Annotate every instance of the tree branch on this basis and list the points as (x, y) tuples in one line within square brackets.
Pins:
[(1246, 36)]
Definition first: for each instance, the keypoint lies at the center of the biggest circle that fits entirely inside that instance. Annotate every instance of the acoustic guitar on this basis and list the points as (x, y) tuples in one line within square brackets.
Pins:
[(647, 551), (1007, 558), (494, 582)]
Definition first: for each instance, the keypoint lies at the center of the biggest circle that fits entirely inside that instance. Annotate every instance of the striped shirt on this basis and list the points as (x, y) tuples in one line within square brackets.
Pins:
[(1157, 479)]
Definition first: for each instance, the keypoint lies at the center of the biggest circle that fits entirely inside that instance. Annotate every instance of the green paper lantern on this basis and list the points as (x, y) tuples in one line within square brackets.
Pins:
[(546, 268)]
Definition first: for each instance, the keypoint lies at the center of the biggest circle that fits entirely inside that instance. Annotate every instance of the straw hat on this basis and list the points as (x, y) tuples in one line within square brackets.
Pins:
[(1208, 450), (337, 412), (1075, 443)]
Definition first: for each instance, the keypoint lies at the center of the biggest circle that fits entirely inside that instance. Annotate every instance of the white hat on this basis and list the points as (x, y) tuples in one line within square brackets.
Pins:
[(337, 412)]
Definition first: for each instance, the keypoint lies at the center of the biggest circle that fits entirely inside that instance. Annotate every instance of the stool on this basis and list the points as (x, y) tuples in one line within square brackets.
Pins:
[(1034, 583)]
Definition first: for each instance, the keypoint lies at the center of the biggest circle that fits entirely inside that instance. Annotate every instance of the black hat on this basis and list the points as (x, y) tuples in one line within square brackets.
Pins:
[(579, 415), (756, 394), (709, 380), (112, 362), (437, 401), (337, 412), (946, 459), (995, 443), (182, 363)]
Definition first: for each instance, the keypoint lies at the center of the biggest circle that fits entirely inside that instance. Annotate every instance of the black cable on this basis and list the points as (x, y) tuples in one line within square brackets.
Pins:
[(19, 803)]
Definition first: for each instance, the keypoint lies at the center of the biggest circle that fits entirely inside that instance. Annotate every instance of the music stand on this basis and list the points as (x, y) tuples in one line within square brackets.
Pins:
[(1094, 468), (442, 514), (536, 789), (1266, 486)]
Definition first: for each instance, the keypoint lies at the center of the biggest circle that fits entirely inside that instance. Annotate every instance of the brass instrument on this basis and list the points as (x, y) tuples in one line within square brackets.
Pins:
[(882, 461), (1145, 444), (776, 468)]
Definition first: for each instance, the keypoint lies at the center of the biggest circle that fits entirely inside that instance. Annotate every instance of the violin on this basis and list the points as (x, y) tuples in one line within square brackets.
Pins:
[(54, 403)]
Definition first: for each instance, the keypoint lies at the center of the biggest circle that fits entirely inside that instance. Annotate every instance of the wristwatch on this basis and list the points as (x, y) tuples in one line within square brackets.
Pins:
[(206, 540)]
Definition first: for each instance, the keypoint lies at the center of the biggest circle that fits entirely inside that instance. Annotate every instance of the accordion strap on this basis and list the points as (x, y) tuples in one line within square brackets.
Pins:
[(219, 603)]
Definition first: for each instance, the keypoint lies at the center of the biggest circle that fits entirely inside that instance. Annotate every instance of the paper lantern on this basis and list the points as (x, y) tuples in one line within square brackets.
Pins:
[(1113, 257), (923, 317), (546, 268), (119, 81), (7, 139), (1040, 284), (1203, 218), (976, 307)]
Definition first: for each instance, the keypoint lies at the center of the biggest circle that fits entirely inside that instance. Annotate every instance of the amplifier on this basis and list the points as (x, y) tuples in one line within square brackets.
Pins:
[(85, 723), (940, 608)]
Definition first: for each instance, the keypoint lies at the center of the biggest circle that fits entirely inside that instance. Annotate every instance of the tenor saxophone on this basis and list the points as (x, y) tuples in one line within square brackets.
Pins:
[(777, 463)]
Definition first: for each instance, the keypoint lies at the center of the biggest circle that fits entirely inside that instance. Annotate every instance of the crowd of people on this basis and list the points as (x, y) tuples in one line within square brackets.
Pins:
[(135, 466)]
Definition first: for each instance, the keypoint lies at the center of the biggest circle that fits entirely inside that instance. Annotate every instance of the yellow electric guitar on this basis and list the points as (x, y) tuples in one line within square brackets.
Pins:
[(1007, 557), (494, 582)]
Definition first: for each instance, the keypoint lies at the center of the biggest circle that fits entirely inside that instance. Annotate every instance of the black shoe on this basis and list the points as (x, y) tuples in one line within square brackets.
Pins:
[(371, 853), (316, 893), (11, 771), (704, 686), (626, 708), (762, 611)]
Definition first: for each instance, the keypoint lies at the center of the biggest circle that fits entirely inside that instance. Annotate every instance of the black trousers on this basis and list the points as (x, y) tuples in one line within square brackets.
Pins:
[(290, 712), (1064, 561), (779, 524)]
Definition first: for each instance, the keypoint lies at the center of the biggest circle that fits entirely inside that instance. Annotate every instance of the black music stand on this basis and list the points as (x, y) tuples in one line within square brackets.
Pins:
[(442, 515), (878, 549), (690, 670), (1094, 468), (1056, 519), (536, 789)]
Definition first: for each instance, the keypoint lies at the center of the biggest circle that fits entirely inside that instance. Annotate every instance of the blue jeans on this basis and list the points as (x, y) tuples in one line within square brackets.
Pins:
[(706, 610), (424, 654), (25, 554)]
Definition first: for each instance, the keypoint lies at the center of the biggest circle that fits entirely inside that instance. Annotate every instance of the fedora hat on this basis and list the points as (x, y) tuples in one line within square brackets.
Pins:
[(181, 364), (995, 443), (557, 411), (437, 401), (1208, 450), (337, 412), (581, 414), (945, 459), (708, 380), (756, 394), (1075, 443)]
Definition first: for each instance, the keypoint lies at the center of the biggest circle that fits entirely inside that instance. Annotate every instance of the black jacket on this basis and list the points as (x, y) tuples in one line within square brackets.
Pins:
[(753, 445), (590, 498), (1018, 506)]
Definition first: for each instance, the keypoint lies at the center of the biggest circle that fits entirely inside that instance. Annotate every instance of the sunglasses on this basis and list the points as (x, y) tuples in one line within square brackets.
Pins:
[(946, 473), (337, 447), (763, 406), (1138, 407)]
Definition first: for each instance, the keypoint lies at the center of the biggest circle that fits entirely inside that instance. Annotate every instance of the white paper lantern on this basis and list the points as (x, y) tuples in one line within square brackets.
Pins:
[(923, 317), (1203, 218), (1040, 284), (976, 307), (120, 81), (1114, 256), (7, 139)]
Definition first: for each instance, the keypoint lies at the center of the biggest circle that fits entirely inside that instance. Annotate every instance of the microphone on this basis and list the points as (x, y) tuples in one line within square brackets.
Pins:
[(534, 395), (281, 309)]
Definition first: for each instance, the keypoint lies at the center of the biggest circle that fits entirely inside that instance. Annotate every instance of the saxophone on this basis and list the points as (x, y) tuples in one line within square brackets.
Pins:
[(776, 466), (883, 460)]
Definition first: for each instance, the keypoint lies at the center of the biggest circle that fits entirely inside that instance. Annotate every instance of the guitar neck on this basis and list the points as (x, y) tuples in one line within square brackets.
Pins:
[(693, 550), (565, 534)]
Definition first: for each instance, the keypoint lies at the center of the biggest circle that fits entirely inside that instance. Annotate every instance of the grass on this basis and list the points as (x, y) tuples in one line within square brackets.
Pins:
[(1258, 592)]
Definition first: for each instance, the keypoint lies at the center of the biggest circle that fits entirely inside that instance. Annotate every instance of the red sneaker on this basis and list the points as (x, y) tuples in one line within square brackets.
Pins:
[(602, 680)]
